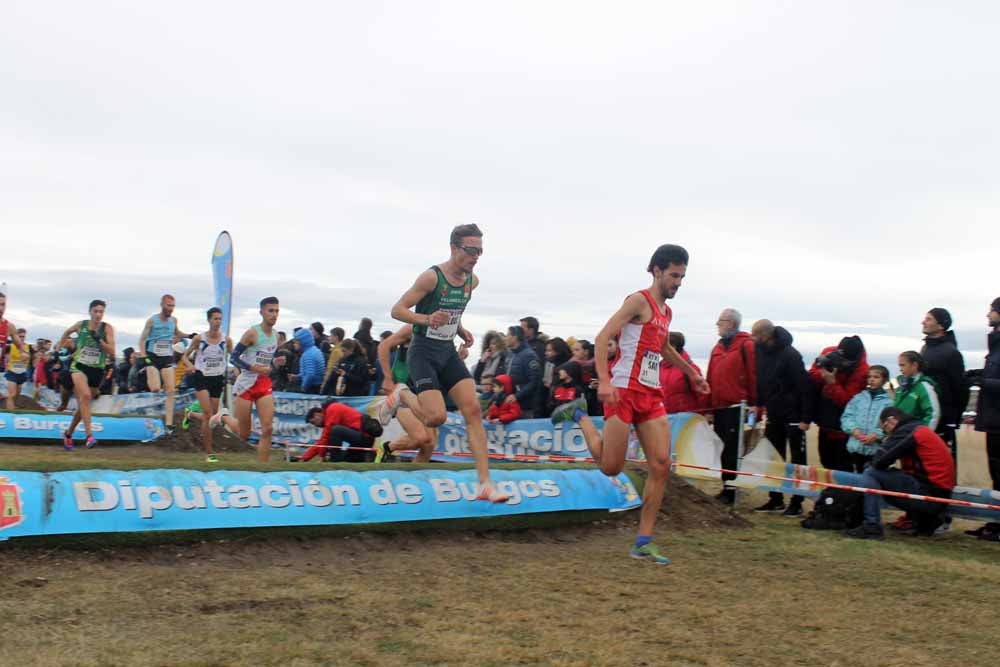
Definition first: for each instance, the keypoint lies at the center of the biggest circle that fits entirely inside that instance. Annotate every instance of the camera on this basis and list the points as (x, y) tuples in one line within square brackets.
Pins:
[(832, 361)]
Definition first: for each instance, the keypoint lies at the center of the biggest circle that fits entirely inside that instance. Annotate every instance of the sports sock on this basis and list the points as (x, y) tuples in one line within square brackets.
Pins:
[(642, 540)]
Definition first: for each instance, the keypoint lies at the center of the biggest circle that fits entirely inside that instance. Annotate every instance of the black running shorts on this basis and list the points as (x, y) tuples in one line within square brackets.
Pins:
[(95, 376), (213, 384), (434, 364)]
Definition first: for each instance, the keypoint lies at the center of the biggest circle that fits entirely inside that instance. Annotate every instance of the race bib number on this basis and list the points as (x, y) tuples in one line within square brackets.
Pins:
[(649, 370), (264, 357), (163, 348), (213, 367), (446, 331), (90, 356), (18, 367)]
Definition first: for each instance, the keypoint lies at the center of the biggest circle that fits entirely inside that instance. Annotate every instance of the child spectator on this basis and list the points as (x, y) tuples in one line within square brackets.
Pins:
[(678, 394), (501, 411), (567, 387), (861, 418), (486, 396)]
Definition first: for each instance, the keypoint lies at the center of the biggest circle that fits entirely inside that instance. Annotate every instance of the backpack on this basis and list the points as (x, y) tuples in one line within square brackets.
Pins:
[(836, 509)]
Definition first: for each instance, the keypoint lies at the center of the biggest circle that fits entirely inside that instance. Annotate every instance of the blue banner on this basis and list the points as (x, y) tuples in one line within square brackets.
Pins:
[(100, 501), (222, 277), (14, 425)]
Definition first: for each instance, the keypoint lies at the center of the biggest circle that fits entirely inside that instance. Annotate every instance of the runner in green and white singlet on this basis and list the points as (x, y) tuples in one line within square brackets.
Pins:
[(439, 297), (95, 344)]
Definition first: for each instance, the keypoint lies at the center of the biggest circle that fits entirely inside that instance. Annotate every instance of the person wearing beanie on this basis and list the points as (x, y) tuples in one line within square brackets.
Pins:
[(945, 365), (839, 374), (988, 412)]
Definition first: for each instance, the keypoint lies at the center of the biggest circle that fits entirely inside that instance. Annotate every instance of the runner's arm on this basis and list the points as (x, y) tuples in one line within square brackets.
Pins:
[(15, 339), (630, 310), (249, 338), (192, 348), (143, 336), (178, 334), (65, 337), (467, 338), (108, 342), (403, 310), (675, 359), (385, 348)]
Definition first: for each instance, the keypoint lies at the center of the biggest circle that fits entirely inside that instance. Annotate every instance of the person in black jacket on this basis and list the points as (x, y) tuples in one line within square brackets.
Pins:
[(536, 340), (988, 412), (353, 367), (122, 371), (784, 391), (946, 366)]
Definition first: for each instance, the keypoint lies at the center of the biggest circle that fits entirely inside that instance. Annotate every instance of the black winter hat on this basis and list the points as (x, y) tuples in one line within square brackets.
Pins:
[(852, 347), (942, 316)]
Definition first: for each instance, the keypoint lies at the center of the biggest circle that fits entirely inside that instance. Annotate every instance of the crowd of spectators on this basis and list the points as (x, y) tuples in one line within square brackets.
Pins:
[(521, 373)]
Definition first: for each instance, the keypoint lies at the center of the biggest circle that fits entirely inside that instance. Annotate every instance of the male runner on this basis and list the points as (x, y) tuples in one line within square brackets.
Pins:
[(419, 437), (631, 395), (95, 344), (254, 356), (440, 296), (11, 337), (209, 380), (156, 344)]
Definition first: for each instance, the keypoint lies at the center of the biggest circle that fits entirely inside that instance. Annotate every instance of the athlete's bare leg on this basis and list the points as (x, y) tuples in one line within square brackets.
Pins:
[(169, 385), (412, 401), (265, 411), (12, 391), (153, 378), (417, 436), (244, 416), (654, 436), (464, 395), (609, 450), (84, 394), (207, 410)]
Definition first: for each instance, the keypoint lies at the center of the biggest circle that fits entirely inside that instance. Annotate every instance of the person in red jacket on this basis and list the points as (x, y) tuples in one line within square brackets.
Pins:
[(341, 423), (926, 468), (732, 375), (678, 394), (839, 374), (500, 411)]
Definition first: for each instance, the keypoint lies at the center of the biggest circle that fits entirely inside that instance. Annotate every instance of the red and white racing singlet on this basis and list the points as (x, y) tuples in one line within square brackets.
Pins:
[(637, 365)]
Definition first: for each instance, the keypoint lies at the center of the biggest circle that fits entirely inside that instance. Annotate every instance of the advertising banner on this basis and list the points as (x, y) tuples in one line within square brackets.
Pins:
[(19, 425), (99, 501)]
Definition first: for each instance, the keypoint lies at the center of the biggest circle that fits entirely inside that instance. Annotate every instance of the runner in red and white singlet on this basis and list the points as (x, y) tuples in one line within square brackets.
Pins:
[(631, 394), (635, 370)]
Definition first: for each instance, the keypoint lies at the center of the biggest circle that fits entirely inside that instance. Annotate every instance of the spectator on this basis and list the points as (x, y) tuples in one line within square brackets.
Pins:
[(282, 338), (556, 353), (311, 362), (492, 359), (282, 375), (839, 374), (917, 395), (341, 424), (353, 368), (926, 468), (502, 411), (678, 394), (944, 364), (137, 375), (583, 354), (123, 370), (732, 376), (784, 391), (332, 359), (319, 337), (568, 387), (486, 394), (536, 341), (363, 336), (524, 370), (861, 418), (988, 412)]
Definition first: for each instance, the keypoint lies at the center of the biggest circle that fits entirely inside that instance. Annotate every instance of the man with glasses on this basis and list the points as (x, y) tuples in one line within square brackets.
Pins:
[(434, 306), (732, 374)]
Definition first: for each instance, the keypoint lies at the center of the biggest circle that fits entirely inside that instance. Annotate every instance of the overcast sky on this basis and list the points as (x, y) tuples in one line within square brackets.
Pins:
[(831, 166)]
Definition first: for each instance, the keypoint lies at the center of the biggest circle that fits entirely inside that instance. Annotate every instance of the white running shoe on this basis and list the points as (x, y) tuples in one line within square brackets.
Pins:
[(389, 406)]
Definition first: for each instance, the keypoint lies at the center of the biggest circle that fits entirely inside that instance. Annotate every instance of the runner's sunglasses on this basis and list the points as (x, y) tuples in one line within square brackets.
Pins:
[(470, 250)]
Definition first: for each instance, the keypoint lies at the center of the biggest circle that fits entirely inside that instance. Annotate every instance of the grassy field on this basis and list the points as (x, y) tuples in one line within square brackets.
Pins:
[(768, 594)]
